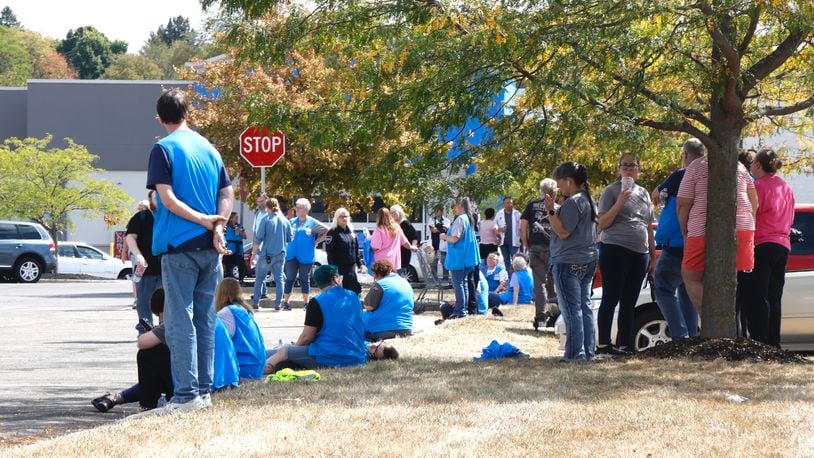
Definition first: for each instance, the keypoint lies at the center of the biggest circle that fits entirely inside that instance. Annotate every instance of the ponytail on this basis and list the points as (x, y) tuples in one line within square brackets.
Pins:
[(768, 160)]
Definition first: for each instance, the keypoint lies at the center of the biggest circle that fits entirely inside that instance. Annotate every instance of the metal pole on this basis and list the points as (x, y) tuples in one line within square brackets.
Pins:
[(262, 179)]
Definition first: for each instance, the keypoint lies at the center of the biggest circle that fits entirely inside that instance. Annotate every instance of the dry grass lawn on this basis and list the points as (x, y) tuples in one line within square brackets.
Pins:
[(437, 401)]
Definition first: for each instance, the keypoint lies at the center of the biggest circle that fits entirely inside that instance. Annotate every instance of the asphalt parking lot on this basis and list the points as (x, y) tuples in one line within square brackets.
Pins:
[(67, 342)]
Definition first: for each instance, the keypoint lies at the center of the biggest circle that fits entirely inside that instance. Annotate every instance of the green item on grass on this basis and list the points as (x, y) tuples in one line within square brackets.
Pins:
[(290, 375)]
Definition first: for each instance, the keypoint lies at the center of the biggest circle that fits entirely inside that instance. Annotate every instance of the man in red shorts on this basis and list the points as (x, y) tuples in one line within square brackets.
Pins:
[(692, 216)]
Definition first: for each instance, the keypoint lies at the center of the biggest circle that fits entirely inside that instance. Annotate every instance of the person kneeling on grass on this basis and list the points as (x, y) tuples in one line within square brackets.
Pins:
[(388, 305), (153, 361), (238, 317), (520, 289), (334, 331)]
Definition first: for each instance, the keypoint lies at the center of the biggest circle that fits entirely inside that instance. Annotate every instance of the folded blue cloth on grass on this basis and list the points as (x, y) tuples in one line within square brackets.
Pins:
[(497, 350)]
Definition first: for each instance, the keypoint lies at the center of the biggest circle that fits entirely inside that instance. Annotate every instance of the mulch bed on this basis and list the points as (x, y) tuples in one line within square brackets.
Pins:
[(739, 349)]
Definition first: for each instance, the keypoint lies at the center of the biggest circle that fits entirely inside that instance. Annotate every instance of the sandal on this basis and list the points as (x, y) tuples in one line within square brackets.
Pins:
[(103, 403)]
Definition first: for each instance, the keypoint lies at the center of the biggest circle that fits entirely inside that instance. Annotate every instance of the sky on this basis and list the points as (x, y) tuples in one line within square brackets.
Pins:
[(131, 21)]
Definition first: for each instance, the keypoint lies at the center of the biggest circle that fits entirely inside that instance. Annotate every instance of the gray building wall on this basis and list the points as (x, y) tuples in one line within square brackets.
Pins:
[(13, 112), (115, 120)]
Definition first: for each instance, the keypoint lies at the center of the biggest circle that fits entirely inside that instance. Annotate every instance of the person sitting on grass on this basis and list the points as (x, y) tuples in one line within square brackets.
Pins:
[(495, 273), (520, 289), (388, 305), (334, 331), (238, 317), (153, 362)]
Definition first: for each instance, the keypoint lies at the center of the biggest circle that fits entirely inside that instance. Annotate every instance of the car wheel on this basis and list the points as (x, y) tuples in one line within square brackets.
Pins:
[(650, 329), (410, 274), (28, 270), (126, 274), (235, 272)]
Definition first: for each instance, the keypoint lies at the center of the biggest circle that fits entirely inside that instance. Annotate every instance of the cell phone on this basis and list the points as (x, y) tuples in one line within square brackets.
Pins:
[(145, 324), (268, 259)]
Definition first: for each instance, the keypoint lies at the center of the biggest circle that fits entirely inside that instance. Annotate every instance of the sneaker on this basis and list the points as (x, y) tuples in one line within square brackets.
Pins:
[(286, 306), (276, 307), (197, 403), (207, 400), (496, 312), (256, 307)]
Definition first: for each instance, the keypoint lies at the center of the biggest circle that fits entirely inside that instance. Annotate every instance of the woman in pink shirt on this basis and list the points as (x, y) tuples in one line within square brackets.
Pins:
[(775, 214), (387, 239)]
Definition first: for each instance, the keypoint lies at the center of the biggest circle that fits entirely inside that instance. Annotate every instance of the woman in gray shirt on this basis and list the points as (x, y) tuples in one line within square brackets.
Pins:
[(625, 254), (573, 254)]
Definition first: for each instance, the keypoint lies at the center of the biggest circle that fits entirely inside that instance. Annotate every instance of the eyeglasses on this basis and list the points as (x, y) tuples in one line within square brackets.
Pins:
[(629, 165), (372, 354)]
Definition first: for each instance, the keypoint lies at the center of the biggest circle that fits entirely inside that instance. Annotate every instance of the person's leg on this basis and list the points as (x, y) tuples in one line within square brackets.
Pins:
[(494, 300), (154, 375), (461, 296), (132, 394), (757, 305), (743, 298), (507, 258), (471, 291), (291, 269), (631, 287), (568, 291), (204, 316), (613, 266), (666, 282), (777, 281), (446, 309), (687, 310), (305, 281), (350, 281), (144, 291), (694, 285), (277, 271), (179, 272), (444, 271), (261, 270), (539, 271), (587, 314)]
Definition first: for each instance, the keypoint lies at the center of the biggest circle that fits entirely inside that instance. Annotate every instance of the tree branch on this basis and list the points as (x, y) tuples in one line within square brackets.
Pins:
[(733, 58), (772, 61), (784, 110), (754, 17)]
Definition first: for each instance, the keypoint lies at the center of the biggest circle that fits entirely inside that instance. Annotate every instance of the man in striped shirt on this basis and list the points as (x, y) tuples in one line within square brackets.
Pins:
[(692, 216)]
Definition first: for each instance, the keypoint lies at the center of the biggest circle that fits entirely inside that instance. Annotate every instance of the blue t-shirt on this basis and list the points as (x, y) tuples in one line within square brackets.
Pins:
[(226, 367), (523, 281), (395, 310), (194, 168), (341, 339), (668, 233), (249, 346), (580, 247)]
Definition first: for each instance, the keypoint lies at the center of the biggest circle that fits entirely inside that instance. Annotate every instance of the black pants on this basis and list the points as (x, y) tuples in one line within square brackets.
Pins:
[(763, 292), (485, 250), (229, 263), (349, 279), (472, 280), (154, 375), (385, 335), (622, 272)]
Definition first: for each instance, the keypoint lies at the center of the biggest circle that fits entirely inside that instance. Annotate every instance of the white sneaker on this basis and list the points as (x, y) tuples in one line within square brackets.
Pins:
[(206, 398), (197, 403)]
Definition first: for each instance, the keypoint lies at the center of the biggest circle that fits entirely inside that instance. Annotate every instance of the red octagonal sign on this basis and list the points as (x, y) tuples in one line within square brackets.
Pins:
[(261, 149)]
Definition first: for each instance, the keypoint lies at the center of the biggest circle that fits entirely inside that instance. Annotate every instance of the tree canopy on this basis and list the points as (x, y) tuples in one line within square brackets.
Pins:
[(45, 185), (25, 55), (89, 51), (8, 18), (131, 67)]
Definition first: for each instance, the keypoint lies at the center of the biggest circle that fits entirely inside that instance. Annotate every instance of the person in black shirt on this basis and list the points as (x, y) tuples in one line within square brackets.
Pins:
[(409, 232), (140, 243), (343, 250)]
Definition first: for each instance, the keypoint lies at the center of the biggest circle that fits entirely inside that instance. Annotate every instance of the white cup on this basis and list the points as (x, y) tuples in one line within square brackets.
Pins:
[(627, 183)]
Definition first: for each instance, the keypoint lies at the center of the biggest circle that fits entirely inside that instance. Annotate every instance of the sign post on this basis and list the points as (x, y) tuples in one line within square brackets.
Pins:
[(262, 149)]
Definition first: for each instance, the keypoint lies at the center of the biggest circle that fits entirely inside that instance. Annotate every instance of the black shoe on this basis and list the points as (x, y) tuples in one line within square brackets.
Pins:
[(286, 306), (496, 312), (439, 322), (103, 403)]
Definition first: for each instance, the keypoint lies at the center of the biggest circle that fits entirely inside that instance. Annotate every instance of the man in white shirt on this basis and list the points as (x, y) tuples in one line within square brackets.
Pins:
[(507, 223)]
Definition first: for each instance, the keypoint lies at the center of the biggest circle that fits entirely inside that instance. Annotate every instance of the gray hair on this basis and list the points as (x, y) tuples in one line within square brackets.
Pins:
[(303, 202), (548, 187), (694, 147), (397, 212), (519, 263)]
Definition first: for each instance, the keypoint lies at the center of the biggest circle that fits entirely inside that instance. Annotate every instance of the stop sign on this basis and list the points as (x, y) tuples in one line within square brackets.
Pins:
[(261, 149)]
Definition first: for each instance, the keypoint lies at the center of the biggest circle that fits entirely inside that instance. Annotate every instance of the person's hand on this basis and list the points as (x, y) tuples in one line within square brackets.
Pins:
[(623, 198), (141, 262), (548, 202), (362, 270), (211, 221), (413, 248), (651, 268), (220, 243)]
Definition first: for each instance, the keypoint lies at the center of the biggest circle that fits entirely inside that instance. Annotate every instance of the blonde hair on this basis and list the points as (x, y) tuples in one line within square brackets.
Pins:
[(228, 293), (385, 221), (339, 212), (519, 263), (272, 204)]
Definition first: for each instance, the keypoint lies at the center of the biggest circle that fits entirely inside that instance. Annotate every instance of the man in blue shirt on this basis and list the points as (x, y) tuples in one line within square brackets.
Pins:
[(195, 197), (671, 297), (270, 240), (259, 216)]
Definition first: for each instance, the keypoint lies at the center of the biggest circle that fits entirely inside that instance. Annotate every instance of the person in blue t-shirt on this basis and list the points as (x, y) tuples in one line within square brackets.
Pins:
[(671, 296), (234, 235), (388, 305), (521, 287), (300, 252), (334, 331), (496, 276), (195, 197), (238, 317)]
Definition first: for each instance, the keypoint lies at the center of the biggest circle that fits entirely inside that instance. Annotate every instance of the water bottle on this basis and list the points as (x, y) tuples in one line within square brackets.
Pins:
[(663, 195), (162, 401), (139, 272)]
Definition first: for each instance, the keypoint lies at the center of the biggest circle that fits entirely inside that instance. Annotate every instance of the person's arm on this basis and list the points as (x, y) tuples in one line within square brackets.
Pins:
[(515, 295), (683, 206), (226, 199), (147, 340), (606, 219), (242, 232), (651, 247), (555, 221), (655, 196), (132, 245), (374, 297), (308, 334), (259, 235), (182, 210), (524, 238), (752, 193)]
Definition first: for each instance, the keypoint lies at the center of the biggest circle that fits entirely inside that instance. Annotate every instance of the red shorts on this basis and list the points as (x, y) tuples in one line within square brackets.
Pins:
[(694, 248)]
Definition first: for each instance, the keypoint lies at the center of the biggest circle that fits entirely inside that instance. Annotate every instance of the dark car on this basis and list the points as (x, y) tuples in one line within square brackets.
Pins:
[(26, 251)]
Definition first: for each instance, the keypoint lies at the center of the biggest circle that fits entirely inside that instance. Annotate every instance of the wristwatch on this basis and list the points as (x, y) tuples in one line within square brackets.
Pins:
[(551, 213)]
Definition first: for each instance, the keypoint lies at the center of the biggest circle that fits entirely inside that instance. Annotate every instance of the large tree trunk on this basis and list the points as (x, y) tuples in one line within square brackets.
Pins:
[(720, 279)]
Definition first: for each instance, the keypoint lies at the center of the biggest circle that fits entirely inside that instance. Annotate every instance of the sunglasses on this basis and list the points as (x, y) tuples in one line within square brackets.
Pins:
[(629, 165)]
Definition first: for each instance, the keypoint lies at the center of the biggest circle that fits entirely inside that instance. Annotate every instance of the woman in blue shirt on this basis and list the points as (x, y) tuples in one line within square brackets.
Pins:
[(462, 255), (238, 317), (300, 252), (520, 287)]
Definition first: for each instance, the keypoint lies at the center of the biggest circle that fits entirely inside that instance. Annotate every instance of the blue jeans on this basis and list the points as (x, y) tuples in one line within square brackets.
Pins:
[(294, 268), (459, 285), (144, 291), (508, 252), (672, 298), (190, 279), (573, 283), (275, 268)]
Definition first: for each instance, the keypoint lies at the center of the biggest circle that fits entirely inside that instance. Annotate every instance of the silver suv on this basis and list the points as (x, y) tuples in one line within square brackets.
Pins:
[(26, 251)]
